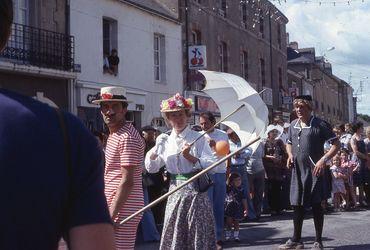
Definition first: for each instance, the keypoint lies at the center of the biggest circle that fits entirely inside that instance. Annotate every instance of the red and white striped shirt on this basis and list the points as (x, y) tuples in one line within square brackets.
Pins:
[(125, 148)]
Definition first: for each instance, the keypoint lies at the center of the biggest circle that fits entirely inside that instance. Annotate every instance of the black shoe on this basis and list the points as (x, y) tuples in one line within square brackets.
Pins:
[(220, 242), (292, 245)]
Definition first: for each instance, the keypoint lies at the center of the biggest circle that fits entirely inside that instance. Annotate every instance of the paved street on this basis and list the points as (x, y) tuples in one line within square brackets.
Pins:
[(342, 230)]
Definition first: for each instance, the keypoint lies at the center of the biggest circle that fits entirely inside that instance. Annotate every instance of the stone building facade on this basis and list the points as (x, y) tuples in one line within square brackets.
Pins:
[(330, 93), (244, 38)]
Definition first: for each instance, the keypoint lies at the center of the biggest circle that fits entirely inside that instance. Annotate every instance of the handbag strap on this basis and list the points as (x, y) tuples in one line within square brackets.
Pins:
[(67, 145), (68, 160)]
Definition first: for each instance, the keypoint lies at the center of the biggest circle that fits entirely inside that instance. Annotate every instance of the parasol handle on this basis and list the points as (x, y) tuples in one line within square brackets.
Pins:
[(261, 91), (188, 181), (211, 128)]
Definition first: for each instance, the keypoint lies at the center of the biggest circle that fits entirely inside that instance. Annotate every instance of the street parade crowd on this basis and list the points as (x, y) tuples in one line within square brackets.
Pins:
[(56, 186), (264, 180)]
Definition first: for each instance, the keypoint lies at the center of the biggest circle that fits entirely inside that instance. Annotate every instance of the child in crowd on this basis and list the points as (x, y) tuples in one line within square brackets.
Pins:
[(348, 167), (338, 188), (113, 62), (236, 207)]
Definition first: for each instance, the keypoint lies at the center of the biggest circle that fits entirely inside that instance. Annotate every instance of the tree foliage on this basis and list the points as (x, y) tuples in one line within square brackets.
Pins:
[(364, 117)]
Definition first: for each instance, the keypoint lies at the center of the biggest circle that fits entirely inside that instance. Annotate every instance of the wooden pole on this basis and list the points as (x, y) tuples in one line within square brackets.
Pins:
[(211, 128), (188, 181)]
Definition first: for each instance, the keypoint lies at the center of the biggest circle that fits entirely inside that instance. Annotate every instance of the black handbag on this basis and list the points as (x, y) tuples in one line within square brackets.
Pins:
[(202, 183)]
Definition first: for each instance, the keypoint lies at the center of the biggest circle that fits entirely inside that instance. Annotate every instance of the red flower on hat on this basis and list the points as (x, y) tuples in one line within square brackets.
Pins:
[(106, 96)]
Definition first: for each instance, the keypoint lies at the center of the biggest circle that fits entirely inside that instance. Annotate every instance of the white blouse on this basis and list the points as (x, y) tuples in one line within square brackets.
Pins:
[(174, 160)]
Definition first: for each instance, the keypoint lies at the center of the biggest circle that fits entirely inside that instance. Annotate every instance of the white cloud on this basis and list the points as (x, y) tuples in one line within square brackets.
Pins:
[(346, 27)]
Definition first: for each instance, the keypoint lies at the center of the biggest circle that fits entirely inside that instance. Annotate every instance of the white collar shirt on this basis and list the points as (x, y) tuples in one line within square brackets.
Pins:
[(172, 158), (241, 158)]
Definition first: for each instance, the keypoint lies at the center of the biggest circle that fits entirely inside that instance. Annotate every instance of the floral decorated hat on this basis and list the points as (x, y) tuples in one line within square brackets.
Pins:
[(176, 103)]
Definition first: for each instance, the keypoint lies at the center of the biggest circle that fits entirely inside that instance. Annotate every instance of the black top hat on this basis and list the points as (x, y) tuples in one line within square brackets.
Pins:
[(304, 97)]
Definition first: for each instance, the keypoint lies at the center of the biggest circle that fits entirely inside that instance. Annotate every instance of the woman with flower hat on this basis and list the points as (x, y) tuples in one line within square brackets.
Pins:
[(189, 222)]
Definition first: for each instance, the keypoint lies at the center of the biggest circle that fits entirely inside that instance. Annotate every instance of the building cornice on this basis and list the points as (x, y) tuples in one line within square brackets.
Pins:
[(151, 11), (14, 68)]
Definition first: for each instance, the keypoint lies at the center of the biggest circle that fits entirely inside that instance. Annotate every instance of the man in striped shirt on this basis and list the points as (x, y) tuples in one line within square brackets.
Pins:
[(124, 157)]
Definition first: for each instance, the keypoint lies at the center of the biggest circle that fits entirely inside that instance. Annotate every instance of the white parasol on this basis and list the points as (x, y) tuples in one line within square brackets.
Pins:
[(230, 92)]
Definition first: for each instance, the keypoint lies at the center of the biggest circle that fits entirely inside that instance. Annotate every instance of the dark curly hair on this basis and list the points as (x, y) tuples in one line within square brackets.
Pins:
[(232, 177), (6, 19), (208, 115), (357, 126)]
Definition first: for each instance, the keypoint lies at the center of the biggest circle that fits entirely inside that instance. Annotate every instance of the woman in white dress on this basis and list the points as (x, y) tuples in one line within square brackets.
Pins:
[(189, 221)]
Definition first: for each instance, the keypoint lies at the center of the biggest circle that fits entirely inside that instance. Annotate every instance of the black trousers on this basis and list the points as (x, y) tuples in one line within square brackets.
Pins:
[(318, 218), (273, 194)]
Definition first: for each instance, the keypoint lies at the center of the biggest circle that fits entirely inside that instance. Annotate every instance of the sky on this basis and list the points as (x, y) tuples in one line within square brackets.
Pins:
[(343, 26)]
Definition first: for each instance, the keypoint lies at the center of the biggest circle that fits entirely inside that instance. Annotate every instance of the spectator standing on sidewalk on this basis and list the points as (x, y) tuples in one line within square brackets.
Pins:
[(305, 148), (148, 226), (284, 135), (256, 178), (344, 137), (338, 178), (51, 174), (361, 177), (217, 192), (123, 165), (236, 207), (273, 159), (238, 164)]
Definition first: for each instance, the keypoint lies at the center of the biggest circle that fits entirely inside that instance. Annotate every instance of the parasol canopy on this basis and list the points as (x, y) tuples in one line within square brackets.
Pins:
[(230, 92)]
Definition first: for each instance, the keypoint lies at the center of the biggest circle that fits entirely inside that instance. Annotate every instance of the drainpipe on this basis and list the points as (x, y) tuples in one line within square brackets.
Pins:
[(186, 46), (67, 17), (72, 82), (275, 92)]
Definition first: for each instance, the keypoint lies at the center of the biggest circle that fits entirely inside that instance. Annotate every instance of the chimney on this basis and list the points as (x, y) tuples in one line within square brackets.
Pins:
[(287, 38)]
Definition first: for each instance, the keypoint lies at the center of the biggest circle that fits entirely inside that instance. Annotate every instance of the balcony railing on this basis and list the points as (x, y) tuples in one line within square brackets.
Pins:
[(38, 47)]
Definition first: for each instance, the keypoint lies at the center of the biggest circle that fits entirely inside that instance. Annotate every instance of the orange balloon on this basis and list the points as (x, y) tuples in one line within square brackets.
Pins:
[(222, 148)]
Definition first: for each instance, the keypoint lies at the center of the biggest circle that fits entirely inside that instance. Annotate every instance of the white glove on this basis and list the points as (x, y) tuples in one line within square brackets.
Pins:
[(159, 143)]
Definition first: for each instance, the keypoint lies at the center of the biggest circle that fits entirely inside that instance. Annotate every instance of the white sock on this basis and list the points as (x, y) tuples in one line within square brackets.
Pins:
[(236, 234), (228, 234)]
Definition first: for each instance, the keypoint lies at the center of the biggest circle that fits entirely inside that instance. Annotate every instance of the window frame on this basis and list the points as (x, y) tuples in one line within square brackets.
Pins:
[(159, 64), (223, 56), (244, 66), (113, 34)]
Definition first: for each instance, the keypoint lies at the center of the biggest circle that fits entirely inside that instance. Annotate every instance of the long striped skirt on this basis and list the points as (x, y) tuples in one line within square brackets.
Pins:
[(189, 222)]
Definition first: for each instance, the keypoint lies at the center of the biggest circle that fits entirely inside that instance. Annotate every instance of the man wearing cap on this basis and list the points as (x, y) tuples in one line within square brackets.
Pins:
[(124, 157), (284, 135), (51, 180), (306, 137)]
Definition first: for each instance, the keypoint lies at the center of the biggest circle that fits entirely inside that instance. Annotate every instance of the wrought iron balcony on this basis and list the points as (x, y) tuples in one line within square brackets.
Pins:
[(38, 47)]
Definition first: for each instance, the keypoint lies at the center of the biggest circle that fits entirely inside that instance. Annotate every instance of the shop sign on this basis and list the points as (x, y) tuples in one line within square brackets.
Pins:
[(197, 57)]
